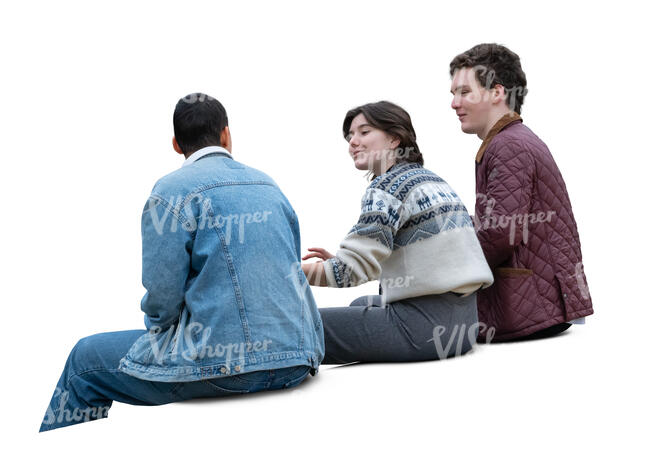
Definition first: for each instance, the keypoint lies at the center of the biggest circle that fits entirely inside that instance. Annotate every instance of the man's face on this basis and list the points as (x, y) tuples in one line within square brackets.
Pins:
[(472, 102)]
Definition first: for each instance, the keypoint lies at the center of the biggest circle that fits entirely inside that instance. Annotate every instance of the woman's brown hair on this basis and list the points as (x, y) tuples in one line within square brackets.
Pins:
[(393, 120)]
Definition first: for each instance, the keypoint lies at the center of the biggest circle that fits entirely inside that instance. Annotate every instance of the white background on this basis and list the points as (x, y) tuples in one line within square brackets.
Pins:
[(88, 92)]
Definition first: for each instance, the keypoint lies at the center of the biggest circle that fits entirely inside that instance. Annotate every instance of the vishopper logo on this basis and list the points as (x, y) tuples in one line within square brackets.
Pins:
[(581, 280), (491, 78), (63, 414), (167, 215), (490, 221), (300, 282), (183, 345), (457, 336), (380, 159), (397, 282), (196, 97), (401, 153), (395, 153)]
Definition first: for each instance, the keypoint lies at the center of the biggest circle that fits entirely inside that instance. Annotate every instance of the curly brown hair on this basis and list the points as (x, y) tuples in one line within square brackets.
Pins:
[(495, 64)]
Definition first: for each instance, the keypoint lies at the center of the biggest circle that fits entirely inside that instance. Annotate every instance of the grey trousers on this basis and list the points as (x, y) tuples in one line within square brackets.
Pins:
[(428, 327)]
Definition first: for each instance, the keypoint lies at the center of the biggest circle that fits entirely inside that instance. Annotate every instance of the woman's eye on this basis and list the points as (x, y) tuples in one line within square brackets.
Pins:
[(364, 132)]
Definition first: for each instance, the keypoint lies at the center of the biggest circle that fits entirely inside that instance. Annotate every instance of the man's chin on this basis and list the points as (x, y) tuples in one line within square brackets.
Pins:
[(467, 129)]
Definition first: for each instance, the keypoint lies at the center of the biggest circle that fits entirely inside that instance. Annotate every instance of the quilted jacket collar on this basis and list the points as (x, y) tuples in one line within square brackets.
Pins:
[(506, 120)]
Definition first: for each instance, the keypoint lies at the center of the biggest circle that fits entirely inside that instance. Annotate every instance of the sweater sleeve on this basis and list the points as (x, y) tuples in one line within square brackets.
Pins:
[(368, 243), (502, 213)]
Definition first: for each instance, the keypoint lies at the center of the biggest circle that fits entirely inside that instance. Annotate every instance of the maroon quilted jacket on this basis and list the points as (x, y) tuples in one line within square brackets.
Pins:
[(526, 227)]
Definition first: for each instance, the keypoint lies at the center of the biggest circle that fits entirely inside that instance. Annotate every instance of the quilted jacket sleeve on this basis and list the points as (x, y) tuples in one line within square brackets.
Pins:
[(502, 210), (368, 243)]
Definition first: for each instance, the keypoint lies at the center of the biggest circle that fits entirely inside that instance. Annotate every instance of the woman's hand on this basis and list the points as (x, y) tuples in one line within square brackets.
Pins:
[(315, 272), (319, 253)]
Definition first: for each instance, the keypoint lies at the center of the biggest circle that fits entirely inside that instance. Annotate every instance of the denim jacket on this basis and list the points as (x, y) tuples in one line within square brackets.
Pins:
[(221, 265)]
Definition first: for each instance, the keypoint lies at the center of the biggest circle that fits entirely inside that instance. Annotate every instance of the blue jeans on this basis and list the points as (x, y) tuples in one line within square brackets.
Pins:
[(90, 382)]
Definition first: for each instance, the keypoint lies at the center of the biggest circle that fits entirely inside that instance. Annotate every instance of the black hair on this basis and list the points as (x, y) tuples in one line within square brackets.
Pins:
[(198, 122)]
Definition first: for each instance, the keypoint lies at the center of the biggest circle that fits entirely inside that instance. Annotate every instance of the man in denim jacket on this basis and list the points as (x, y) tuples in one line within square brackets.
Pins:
[(227, 308)]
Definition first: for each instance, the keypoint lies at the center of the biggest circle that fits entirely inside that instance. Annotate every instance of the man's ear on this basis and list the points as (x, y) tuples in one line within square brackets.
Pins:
[(499, 93), (226, 140), (177, 149)]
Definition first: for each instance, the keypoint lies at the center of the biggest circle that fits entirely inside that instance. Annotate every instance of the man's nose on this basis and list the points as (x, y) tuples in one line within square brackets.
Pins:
[(455, 102)]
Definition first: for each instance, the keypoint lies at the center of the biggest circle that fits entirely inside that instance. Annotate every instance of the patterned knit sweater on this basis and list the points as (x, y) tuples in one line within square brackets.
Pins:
[(414, 235)]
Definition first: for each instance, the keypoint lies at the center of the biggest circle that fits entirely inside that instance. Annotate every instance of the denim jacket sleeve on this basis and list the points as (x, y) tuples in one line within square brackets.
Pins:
[(166, 254)]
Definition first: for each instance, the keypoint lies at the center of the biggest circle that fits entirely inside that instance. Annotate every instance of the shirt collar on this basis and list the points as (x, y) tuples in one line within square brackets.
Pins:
[(198, 154), (505, 120)]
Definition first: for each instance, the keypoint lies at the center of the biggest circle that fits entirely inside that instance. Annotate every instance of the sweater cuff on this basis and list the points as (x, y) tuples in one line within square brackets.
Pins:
[(329, 273)]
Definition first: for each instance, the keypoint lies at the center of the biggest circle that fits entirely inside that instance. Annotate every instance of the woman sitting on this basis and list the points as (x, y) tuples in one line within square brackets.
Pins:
[(415, 236)]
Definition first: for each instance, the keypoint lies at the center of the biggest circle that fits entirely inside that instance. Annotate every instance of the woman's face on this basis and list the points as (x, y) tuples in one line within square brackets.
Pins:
[(371, 148)]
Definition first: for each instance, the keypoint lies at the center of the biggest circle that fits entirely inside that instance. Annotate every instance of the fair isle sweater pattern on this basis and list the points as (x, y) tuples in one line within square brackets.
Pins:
[(401, 207)]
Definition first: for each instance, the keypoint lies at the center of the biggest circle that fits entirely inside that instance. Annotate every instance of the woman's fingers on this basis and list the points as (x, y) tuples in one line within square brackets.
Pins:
[(318, 252)]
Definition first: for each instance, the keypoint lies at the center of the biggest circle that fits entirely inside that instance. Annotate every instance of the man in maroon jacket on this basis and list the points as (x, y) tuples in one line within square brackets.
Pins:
[(523, 215)]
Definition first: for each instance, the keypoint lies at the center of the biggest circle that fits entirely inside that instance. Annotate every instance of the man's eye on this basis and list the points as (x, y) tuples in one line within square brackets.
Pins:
[(464, 92)]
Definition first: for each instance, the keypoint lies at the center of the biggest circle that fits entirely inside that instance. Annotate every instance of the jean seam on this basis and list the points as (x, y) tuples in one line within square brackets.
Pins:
[(241, 379), (176, 388), (173, 391), (87, 371), (214, 385), (293, 380)]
